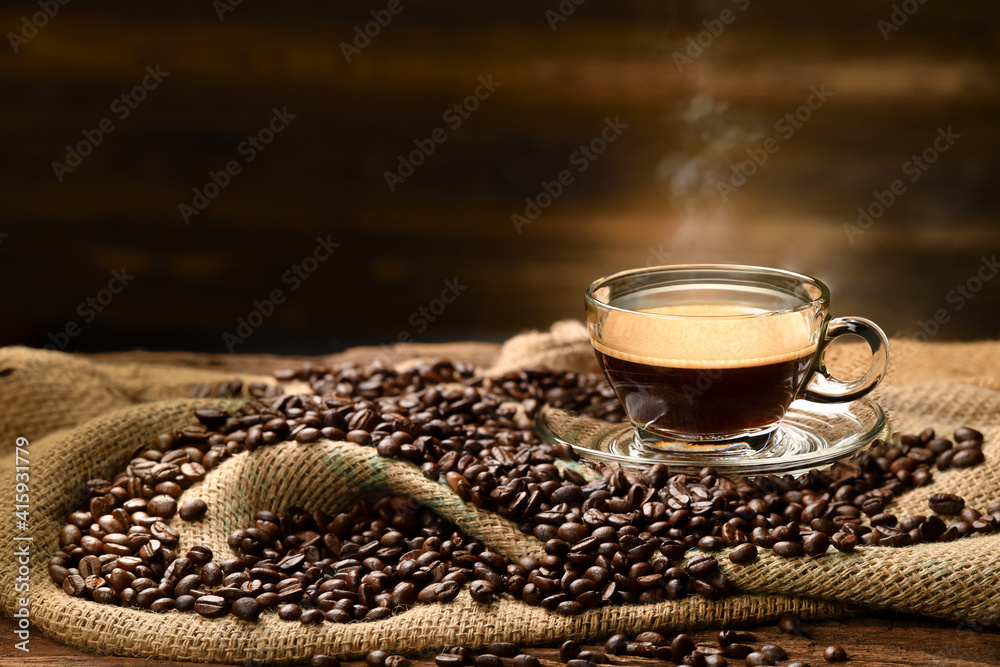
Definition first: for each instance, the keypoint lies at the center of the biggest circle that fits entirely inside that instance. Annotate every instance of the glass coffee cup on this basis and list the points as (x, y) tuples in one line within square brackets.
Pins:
[(708, 358)]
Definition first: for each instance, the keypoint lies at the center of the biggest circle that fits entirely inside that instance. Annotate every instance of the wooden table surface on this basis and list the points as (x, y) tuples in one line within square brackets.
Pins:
[(870, 641), (877, 639)]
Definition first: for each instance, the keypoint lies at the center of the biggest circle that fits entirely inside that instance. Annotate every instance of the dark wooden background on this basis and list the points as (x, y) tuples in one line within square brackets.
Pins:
[(650, 198)]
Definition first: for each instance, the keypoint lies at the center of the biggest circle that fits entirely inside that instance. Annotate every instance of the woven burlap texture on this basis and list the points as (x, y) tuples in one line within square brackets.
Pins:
[(955, 581)]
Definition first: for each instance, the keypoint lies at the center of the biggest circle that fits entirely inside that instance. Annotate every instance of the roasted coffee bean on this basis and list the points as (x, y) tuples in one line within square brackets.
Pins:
[(727, 637), (193, 510), (758, 658), (702, 566), (503, 649), (798, 664), (448, 660), (738, 651), (834, 654), (376, 658), (615, 644), (246, 609), (681, 646), (211, 606), (815, 544), (791, 625), (775, 651), (482, 591), (576, 662), (320, 660), (568, 650), (788, 549), (397, 661), (946, 503), (162, 506), (743, 554), (526, 660), (311, 617), (967, 458), (965, 433)]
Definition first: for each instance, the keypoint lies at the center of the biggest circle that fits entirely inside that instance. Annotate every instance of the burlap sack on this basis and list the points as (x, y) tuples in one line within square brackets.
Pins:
[(83, 423)]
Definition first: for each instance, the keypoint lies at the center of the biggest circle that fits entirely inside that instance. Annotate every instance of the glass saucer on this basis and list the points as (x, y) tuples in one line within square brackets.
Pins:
[(811, 436)]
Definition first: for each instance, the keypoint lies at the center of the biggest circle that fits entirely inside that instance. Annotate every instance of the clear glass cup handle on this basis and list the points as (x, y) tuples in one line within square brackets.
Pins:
[(824, 388)]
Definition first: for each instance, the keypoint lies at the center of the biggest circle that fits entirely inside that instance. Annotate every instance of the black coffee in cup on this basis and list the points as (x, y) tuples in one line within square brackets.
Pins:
[(706, 369)]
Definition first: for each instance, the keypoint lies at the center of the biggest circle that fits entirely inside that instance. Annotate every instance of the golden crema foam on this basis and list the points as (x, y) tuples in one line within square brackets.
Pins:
[(706, 336)]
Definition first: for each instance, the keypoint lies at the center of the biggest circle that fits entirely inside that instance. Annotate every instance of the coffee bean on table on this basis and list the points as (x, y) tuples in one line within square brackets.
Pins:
[(397, 661), (194, 509), (526, 660), (448, 660), (321, 660), (797, 664), (791, 625), (376, 658), (568, 650), (502, 649), (758, 658), (488, 660), (834, 654), (615, 644), (775, 651), (681, 646)]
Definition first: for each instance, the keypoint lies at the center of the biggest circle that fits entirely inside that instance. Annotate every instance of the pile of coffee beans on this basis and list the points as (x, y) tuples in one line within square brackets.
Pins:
[(609, 539), (731, 647)]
